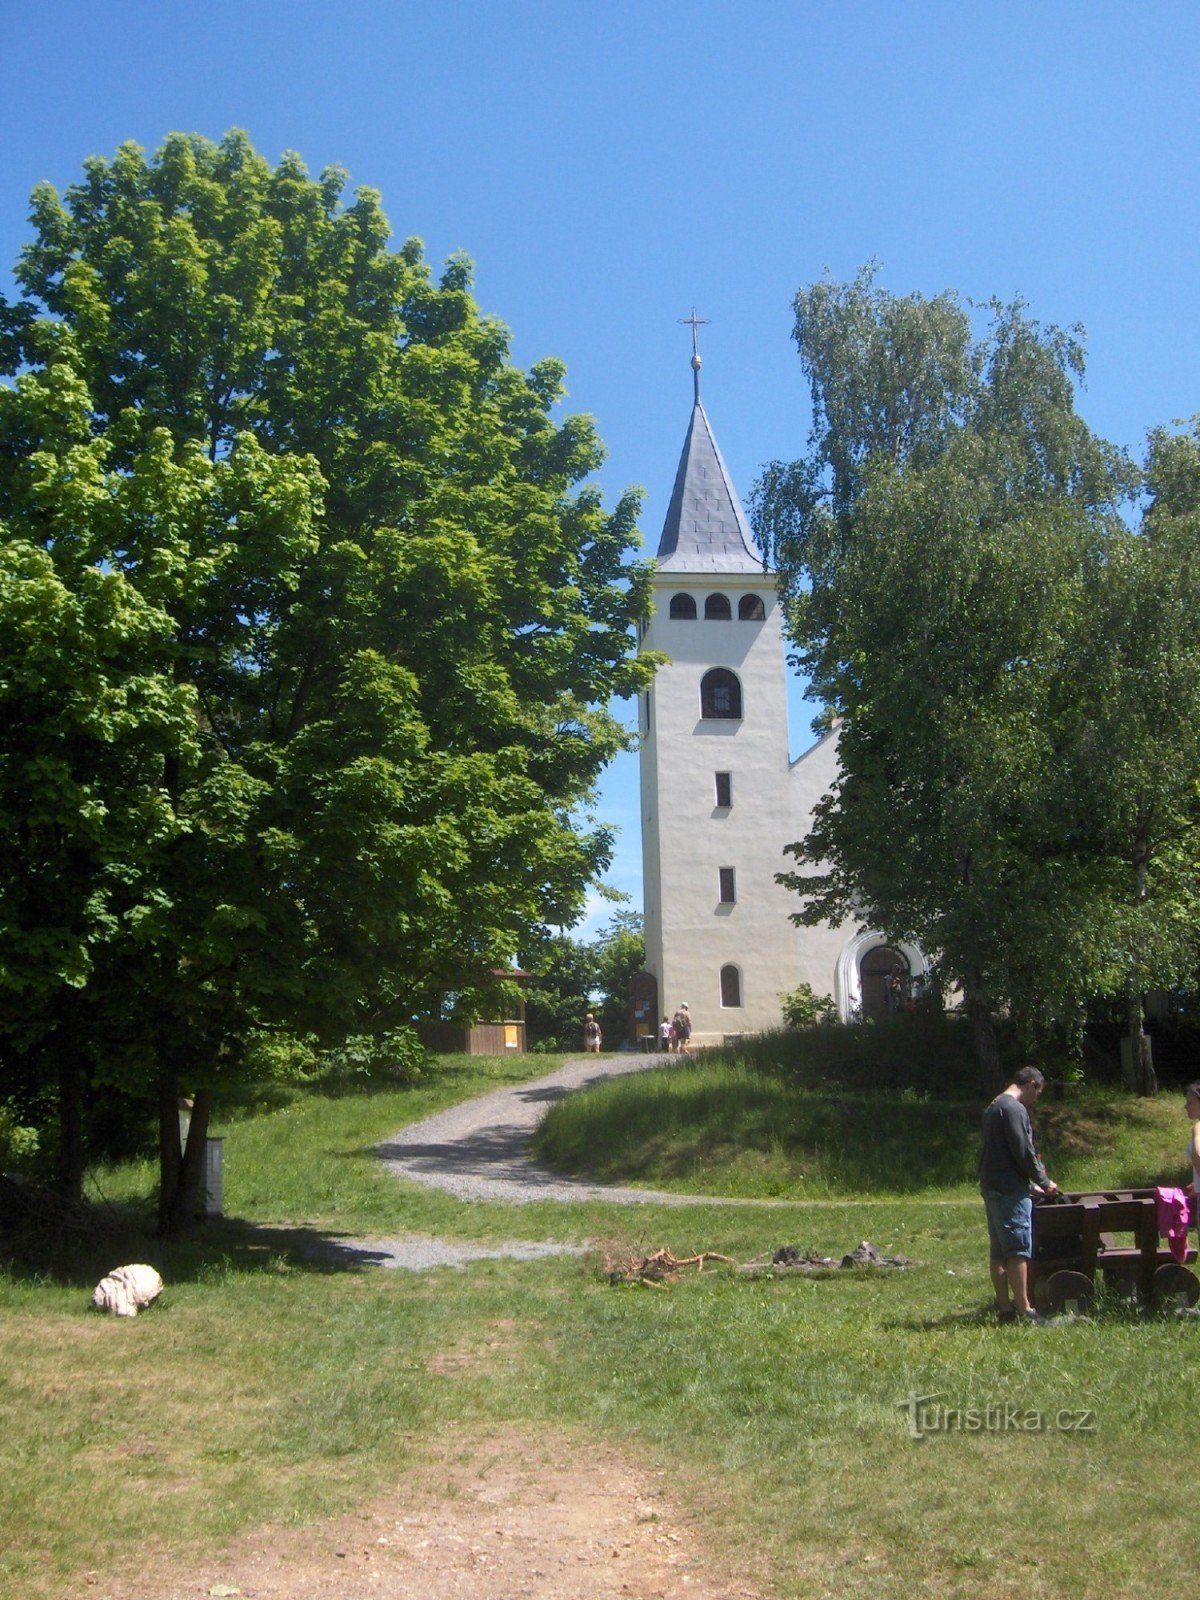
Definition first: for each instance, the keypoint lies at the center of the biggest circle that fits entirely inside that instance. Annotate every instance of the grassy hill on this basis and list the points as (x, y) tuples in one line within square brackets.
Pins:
[(782, 1120)]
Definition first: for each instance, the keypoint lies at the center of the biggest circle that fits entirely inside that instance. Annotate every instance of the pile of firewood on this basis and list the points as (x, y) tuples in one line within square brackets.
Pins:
[(626, 1264), (794, 1258)]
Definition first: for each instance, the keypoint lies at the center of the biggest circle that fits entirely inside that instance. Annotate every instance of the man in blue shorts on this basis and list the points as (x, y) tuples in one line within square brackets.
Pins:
[(1010, 1173)]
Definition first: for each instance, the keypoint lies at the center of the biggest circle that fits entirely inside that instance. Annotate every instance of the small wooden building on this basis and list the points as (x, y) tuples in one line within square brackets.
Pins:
[(481, 1038)]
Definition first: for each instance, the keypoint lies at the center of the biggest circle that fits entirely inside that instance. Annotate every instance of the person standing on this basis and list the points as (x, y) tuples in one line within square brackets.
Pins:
[(682, 1024), (1010, 1174), (1191, 1104), (664, 1033), (591, 1035)]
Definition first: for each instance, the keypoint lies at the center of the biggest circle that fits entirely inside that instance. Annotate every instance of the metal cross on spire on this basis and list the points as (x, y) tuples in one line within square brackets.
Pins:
[(695, 323)]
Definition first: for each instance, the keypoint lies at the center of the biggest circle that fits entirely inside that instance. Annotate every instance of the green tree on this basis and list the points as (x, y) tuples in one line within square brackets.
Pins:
[(573, 976), (91, 712), (619, 950), (802, 1007), (933, 545), (394, 607), (559, 992), (1129, 752)]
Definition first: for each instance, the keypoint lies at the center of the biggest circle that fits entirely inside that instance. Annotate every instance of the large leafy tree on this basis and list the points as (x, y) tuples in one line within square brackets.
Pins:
[(372, 572), (933, 544), (1128, 765)]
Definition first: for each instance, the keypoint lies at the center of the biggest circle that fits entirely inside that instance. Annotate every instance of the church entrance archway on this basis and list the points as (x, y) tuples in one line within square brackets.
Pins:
[(885, 980)]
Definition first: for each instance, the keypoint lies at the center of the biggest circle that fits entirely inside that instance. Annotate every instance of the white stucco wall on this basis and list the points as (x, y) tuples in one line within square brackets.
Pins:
[(687, 839)]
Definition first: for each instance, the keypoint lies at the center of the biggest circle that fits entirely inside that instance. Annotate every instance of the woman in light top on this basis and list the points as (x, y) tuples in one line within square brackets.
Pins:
[(1191, 1104)]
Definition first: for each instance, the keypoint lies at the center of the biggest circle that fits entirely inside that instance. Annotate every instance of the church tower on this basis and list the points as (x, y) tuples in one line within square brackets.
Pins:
[(720, 797)]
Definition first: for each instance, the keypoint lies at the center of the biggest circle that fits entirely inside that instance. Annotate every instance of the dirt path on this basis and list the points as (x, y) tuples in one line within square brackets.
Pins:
[(517, 1515)]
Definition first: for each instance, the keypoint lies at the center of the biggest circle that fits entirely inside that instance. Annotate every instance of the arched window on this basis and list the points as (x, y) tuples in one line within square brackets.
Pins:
[(731, 986), (721, 695), (750, 608), (683, 608), (717, 609)]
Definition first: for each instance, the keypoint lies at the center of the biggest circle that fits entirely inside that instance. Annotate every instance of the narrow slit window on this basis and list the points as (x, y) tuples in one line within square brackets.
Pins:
[(724, 789), (731, 986), (725, 877)]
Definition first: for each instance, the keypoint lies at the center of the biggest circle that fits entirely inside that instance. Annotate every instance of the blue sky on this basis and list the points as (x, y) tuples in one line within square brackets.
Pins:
[(608, 166)]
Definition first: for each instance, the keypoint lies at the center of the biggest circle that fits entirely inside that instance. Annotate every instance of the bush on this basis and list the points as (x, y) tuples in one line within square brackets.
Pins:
[(397, 1055), (804, 1008), (18, 1145)]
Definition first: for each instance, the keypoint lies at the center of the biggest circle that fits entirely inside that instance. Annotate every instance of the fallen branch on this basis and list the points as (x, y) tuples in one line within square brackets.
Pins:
[(651, 1270)]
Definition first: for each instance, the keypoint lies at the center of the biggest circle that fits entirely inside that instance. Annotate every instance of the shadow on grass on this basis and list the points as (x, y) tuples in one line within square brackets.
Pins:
[(102, 1238), (968, 1320)]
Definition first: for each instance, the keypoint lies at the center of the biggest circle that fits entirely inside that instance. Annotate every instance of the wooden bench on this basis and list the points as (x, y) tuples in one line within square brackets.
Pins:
[(1076, 1235)]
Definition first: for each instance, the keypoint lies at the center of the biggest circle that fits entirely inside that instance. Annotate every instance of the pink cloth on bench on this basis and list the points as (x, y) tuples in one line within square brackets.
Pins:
[(1174, 1219)]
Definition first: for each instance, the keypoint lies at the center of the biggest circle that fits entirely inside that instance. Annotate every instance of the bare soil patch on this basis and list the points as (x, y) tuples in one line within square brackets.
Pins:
[(511, 1517)]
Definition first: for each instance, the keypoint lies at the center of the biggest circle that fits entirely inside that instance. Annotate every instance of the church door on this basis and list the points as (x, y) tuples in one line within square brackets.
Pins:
[(885, 981)]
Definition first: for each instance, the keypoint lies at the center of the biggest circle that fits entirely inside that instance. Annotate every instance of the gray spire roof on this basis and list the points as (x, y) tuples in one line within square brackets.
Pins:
[(706, 529)]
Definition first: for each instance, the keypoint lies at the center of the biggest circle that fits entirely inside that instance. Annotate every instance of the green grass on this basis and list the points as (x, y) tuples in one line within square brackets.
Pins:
[(724, 1126), (263, 1389), (310, 1160)]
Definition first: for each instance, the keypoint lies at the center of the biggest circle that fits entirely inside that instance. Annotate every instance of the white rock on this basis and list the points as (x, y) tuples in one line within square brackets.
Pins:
[(127, 1290)]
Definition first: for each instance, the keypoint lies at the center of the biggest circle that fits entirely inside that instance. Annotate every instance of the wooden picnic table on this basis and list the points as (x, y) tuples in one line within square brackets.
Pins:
[(1114, 1232)]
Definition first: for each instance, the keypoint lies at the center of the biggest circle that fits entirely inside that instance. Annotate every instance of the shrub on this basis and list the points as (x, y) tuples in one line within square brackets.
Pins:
[(804, 1008), (18, 1144)]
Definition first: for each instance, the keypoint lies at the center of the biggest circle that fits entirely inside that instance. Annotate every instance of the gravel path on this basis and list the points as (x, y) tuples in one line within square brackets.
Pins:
[(478, 1151)]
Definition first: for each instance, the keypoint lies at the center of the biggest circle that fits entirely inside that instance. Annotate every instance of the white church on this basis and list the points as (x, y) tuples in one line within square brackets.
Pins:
[(720, 794)]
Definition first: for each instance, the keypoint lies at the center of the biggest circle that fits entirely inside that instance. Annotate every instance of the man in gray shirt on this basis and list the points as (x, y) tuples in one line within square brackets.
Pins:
[(1010, 1172)]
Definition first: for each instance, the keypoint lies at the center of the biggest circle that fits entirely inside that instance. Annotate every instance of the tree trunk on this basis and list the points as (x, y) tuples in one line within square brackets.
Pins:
[(180, 1200), (71, 1155), (1141, 1066), (169, 1155), (987, 1046), (1143, 1079)]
